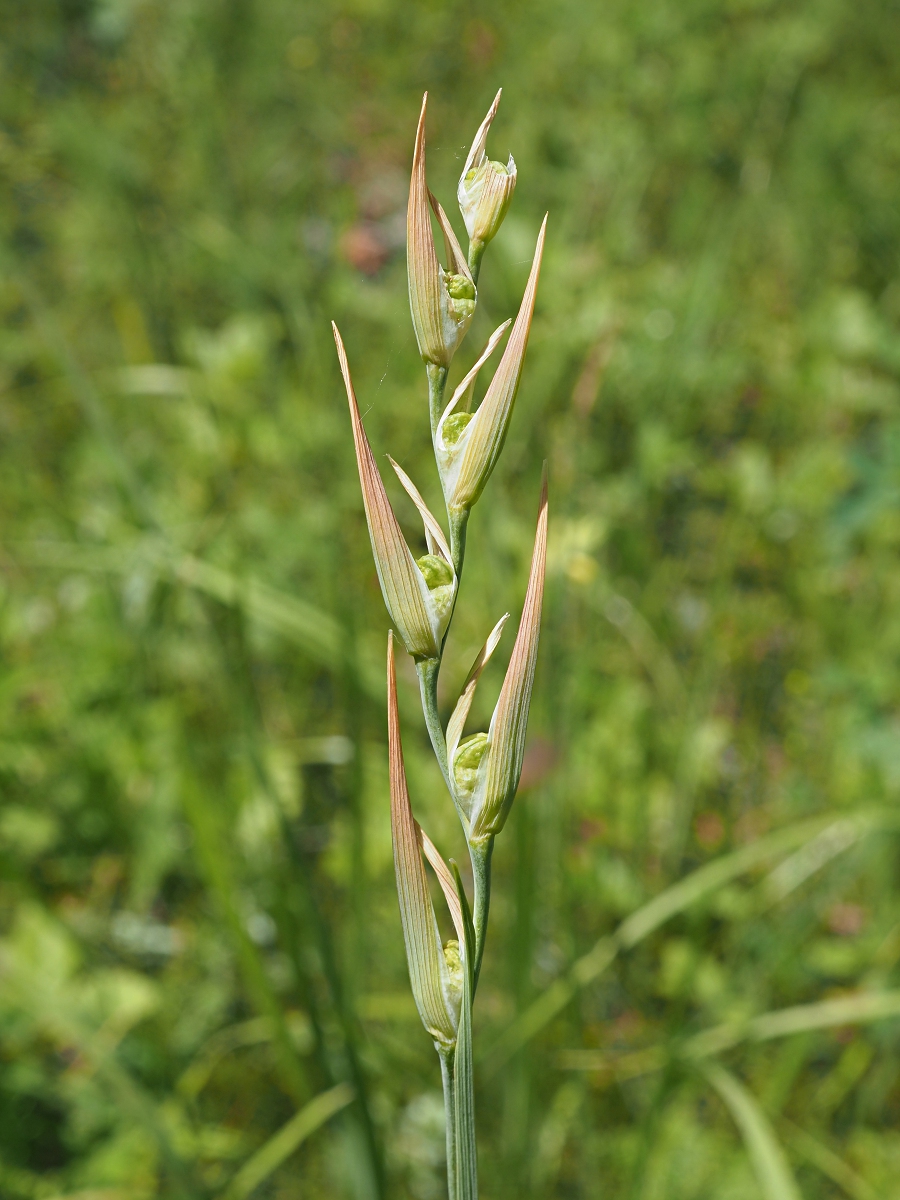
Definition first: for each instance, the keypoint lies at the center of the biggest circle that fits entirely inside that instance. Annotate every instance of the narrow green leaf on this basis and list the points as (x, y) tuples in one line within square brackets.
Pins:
[(220, 875), (315, 632), (282, 1145), (769, 1162), (864, 1008), (860, 1009), (830, 1164)]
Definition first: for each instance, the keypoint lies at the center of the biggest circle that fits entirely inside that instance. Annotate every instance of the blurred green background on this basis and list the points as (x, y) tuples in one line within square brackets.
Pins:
[(198, 927)]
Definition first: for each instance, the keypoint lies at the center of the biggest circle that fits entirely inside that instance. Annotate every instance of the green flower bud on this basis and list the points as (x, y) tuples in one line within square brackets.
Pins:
[(485, 187), (459, 287), (467, 760), (439, 579), (453, 427), (437, 571), (485, 194), (454, 966)]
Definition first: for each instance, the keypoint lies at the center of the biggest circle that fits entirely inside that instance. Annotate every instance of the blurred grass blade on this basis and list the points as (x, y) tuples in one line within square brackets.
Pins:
[(860, 1009), (214, 857), (256, 1031), (309, 628), (715, 874), (865, 1008), (809, 859), (830, 1164), (673, 900), (282, 1145), (770, 1165)]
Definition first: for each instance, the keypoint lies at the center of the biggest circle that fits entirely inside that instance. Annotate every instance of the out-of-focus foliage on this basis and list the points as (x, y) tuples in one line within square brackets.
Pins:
[(198, 928)]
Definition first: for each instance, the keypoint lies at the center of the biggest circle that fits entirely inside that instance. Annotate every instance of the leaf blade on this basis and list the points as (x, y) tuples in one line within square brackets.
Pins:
[(770, 1165)]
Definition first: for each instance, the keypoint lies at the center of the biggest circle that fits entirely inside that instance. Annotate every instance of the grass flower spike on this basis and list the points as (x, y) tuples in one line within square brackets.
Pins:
[(442, 301), (485, 191), (481, 771)]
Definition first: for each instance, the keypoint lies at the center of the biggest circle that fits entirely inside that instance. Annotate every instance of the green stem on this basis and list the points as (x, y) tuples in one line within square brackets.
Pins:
[(437, 382), (466, 1166), (480, 854), (476, 253), (459, 519), (428, 670), (448, 1058)]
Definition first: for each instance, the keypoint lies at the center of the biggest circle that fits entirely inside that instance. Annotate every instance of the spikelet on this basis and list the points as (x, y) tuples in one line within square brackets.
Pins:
[(485, 187), (435, 973), (467, 463), (487, 767), (442, 302), (418, 594)]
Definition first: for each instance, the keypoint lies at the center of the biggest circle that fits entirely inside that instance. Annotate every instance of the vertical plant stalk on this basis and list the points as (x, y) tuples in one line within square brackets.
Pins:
[(481, 771)]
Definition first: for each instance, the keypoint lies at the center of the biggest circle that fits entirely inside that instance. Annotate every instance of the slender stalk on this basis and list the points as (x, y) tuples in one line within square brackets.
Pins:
[(437, 382), (428, 670), (480, 854), (448, 1056), (459, 520), (476, 252), (466, 1173)]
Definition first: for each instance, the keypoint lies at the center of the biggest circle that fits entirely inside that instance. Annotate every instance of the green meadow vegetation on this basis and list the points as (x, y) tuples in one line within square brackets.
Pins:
[(693, 985)]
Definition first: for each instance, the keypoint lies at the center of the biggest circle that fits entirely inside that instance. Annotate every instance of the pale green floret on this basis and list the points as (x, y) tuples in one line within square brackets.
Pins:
[(454, 965), (499, 167), (461, 295), (468, 759), (438, 576), (454, 426), (437, 571), (462, 310), (460, 288)]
